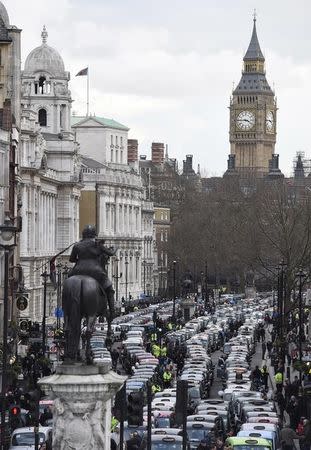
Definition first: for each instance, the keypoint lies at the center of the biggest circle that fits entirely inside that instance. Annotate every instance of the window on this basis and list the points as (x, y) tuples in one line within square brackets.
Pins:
[(116, 140), (111, 142), (42, 117), (42, 85), (121, 141)]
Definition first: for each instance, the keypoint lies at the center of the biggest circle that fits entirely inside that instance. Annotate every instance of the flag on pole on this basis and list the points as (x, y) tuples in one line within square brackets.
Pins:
[(52, 263), (83, 72)]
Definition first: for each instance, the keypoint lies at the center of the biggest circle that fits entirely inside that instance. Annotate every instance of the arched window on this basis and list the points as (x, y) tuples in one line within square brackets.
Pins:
[(42, 85), (42, 117)]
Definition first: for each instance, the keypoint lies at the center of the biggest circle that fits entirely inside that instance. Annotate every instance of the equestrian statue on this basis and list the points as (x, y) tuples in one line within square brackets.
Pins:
[(87, 292)]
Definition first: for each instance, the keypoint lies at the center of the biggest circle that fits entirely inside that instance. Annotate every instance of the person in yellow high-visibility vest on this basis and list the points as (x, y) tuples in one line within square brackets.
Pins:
[(156, 350), (167, 378), (163, 351), (278, 378)]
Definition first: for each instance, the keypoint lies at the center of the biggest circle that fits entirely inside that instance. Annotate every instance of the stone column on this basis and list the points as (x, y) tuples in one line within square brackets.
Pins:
[(82, 405)]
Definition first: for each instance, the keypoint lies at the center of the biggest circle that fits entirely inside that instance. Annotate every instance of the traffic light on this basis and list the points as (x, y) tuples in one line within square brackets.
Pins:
[(135, 408), (14, 416), (120, 412), (32, 399)]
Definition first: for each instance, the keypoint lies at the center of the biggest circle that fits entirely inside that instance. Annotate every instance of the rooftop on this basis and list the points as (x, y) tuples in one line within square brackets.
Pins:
[(77, 121)]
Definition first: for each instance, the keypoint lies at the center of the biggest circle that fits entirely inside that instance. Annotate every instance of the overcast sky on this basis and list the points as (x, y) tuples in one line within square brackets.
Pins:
[(166, 68)]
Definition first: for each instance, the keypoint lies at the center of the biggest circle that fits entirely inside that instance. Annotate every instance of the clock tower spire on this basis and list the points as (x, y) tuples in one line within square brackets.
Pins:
[(253, 114)]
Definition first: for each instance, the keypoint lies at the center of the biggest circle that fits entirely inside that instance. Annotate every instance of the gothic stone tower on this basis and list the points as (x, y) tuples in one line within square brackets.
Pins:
[(253, 115)]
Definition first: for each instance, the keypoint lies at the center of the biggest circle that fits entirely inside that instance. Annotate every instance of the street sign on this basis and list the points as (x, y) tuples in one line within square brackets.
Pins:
[(59, 312), (21, 302)]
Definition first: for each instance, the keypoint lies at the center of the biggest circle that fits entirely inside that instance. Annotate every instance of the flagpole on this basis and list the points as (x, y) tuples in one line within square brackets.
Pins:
[(88, 93)]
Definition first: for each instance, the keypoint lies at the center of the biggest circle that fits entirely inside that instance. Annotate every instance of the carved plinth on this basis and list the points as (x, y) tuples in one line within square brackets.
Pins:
[(82, 405)]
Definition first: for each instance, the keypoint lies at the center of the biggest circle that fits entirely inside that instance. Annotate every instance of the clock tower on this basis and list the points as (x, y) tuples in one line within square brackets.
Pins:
[(253, 115)]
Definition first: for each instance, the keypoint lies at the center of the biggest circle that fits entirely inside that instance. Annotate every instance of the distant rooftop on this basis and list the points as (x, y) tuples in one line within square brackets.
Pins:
[(107, 123), (90, 162)]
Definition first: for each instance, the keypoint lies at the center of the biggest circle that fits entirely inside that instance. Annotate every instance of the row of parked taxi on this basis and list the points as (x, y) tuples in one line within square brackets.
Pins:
[(239, 407)]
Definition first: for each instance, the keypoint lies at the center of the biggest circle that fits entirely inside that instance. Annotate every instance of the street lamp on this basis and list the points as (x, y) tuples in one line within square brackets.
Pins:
[(117, 277), (45, 277), (7, 242), (144, 265), (174, 289), (206, 293), (126, 277), (301, 275)]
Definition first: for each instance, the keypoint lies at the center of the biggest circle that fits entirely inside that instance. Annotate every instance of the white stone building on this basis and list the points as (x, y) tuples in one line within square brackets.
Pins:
[(50, 167), (113, 199), (10, 63)]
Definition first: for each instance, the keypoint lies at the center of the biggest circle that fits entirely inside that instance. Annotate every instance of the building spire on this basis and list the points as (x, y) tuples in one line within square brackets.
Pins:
[(254, 51), (44, 35)]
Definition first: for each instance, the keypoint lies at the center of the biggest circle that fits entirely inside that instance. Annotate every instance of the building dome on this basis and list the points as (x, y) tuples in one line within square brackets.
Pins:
[(4, 15), (45, 59)]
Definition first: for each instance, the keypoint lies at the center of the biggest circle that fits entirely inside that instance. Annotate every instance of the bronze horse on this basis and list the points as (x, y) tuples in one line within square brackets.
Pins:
[(83, 297)]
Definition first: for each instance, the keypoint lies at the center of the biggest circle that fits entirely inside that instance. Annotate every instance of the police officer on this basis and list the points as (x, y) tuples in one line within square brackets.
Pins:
[(278, 378), (167, 378)]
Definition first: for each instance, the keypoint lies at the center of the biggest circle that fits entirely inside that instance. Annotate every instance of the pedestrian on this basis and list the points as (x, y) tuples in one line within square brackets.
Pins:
[(295, 386), (293, 410), (288, 392), (306, 438), (134, 442), (263, 347), (265, 376), (287, 436), (203, 445), (300, 426), (167, 378), (278, 378), (269, 348), (282, 404), (114, 358)]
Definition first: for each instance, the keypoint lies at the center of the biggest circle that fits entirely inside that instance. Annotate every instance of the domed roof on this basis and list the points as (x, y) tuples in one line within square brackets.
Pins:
[(4, 15), (45, 59)]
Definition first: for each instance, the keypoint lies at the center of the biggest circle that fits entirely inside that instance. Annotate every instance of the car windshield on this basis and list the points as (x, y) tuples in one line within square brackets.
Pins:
[(196, 434), (27, 438), (167, 445), (163, 422), (250, 447)]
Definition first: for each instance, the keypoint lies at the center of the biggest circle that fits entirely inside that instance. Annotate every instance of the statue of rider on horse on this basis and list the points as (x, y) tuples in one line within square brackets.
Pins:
[(87, 292)]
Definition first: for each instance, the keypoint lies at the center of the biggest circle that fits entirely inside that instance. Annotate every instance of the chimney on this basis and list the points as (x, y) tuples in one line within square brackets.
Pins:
[(157, 152), (132, 150)]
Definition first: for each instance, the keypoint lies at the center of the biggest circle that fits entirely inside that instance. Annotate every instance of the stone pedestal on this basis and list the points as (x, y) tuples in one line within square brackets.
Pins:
[(82, 405), (187, 306)]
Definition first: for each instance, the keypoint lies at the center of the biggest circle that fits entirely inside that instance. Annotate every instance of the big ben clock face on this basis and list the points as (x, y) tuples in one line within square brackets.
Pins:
[(245, 120), (270, 121)]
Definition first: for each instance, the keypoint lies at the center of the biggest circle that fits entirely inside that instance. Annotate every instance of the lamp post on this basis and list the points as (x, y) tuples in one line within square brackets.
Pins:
[(144, 265), (301, 275), (117, 277), (126, 277), (45, 276), (8, 242), (206, 293), (174, 289), (281, 308)]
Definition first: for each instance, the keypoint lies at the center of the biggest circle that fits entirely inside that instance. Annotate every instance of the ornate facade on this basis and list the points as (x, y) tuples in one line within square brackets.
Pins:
[(10, 62), (50, 168), (113, 198)]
